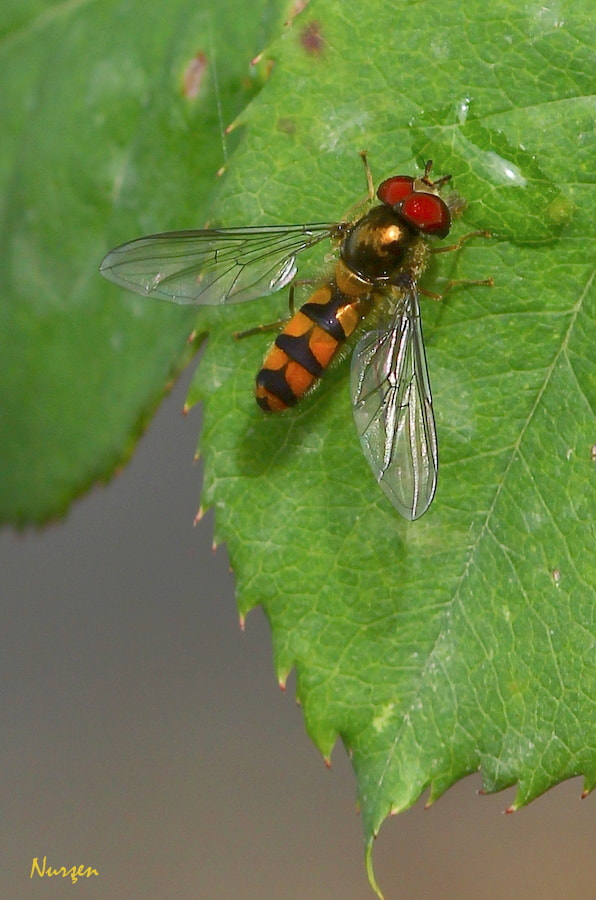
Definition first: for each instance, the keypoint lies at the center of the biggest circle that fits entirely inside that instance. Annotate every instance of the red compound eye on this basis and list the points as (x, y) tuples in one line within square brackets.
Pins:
[(394, 190), (426, 212)]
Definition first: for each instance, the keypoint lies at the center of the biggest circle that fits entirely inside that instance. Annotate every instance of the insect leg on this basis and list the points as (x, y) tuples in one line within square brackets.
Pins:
[(427, 179), (369, 181), (489, 282), (279, 324), (466, 237), (456, 282), (266, 326), (356, 208)]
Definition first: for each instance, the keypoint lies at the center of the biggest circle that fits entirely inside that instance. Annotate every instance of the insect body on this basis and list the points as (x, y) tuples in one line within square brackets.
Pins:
[(381, 257)]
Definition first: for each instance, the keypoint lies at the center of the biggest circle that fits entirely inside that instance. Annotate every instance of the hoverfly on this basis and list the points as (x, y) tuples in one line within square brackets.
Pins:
[(381, 258)]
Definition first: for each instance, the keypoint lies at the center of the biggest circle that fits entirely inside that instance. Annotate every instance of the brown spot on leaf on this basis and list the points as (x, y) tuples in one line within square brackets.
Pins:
[(286, 125), (311, 38)]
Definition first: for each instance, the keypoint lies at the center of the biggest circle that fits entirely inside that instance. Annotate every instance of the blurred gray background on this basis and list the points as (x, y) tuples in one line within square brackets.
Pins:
[(145, 735)]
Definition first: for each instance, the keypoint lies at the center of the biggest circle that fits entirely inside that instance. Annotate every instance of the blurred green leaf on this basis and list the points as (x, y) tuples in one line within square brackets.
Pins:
[(461, 642), (101, 140)]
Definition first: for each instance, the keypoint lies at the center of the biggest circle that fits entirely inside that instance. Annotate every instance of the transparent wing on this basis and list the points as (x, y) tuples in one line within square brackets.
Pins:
[(393, 409), (216, 265)]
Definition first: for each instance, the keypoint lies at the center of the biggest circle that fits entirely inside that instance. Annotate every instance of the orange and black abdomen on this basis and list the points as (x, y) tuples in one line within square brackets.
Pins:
[(307, 345)]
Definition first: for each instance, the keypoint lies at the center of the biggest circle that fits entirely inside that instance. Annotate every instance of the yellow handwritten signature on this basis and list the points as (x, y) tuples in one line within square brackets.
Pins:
[(75, 872)]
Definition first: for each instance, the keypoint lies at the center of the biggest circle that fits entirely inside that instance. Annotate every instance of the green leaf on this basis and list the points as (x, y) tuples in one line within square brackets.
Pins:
[(463, 641), (102, 139)]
